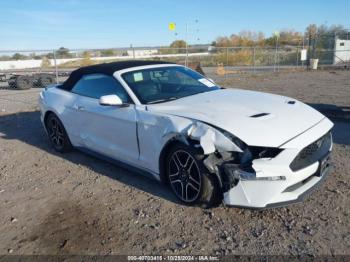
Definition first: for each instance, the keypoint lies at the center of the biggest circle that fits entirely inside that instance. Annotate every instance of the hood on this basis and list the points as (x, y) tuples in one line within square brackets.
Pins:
[(258, 119)]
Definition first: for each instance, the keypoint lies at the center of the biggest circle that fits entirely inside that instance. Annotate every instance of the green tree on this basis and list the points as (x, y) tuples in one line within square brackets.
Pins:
[(49, 55), (5, 58), (86, 61), (243, 38), (63, 52), (178, 44), (286, 37), (107, 52), (324, 35), (290, 37), (222, 41), (18, 56)]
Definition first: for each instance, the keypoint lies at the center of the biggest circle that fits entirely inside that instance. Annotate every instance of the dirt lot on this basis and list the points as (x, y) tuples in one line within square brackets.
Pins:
[(75, 204)]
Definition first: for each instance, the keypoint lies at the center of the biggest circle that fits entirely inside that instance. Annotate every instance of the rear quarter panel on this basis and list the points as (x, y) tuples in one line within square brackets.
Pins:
[(61, 103)]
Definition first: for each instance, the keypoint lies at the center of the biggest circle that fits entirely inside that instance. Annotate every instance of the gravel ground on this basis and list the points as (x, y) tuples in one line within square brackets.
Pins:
[(75, 204), (324, 87)]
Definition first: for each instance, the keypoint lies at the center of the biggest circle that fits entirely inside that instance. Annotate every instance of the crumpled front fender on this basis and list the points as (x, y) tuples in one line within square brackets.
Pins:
[(156, 130)]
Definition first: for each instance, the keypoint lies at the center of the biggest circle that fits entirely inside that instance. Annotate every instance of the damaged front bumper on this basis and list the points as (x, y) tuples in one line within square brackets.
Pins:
[(274, 191), (271, 182)]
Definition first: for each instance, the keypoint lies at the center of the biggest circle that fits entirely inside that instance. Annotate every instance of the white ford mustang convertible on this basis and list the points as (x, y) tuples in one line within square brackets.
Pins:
[(210, 144)]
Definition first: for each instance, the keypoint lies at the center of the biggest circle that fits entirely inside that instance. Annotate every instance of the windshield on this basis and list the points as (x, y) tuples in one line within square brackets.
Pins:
[(157, 85)]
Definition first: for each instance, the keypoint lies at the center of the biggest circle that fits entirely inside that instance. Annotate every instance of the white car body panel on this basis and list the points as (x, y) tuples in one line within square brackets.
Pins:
[(273, 190), (155, 130), (137, 134), (107, 130), (284, 121)]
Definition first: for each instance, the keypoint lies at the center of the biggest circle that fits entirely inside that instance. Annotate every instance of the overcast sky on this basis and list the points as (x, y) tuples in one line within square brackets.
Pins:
[(47, 24)]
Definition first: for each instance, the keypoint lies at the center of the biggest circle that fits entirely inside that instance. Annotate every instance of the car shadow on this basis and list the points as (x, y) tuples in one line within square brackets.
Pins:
[(341, 132), (26, 127), (340, 115), (334, 112)]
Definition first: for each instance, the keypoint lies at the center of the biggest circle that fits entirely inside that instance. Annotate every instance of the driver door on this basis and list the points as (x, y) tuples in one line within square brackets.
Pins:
[(108, 130)]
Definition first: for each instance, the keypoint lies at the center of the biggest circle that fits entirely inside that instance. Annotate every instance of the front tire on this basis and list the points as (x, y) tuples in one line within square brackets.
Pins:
[(189, 179), (57, 134)]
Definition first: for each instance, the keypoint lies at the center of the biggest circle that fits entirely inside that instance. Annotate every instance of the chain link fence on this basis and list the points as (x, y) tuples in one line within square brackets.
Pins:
[(24, 69)]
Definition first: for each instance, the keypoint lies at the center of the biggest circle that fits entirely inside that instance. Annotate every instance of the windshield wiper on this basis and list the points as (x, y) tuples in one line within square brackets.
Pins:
[(163, 100)]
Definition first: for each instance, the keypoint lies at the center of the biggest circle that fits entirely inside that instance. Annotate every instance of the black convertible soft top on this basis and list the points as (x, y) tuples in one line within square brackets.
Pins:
[(106, 68)]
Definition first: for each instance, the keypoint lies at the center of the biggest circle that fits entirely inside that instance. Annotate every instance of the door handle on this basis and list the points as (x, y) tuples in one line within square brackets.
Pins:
[(80, 108)]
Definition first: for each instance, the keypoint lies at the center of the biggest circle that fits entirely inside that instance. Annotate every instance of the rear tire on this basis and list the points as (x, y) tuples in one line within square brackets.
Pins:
[(23, 82), (57, 134), (189, 179), (12, 82)]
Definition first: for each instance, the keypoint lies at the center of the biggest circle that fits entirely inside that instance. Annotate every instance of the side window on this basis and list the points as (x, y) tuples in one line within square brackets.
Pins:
[(97, 85)]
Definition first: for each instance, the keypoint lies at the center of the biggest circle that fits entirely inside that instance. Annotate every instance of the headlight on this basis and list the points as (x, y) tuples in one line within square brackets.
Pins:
[(234, 139), (254, 152), (264, 152), (251, 152)]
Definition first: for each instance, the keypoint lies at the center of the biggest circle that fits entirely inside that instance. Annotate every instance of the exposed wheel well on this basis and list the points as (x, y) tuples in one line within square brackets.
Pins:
[(163, 155), (47, 115)]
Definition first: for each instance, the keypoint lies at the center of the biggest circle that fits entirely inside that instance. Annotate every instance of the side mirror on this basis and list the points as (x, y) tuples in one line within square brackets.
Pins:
[(111, 100)]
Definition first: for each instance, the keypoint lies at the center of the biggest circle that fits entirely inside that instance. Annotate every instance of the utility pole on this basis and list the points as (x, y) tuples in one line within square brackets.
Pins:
[(56, 69), (186, 39), (172, 27), (276, 50), (133, 51), (254, 59), (302, 61)]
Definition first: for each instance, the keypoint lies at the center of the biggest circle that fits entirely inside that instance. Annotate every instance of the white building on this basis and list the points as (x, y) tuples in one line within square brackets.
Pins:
[(341, 51), (142, 52)]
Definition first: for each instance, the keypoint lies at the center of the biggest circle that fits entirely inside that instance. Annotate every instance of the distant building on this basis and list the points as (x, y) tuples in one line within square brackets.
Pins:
[(341, 51), (142, 52)]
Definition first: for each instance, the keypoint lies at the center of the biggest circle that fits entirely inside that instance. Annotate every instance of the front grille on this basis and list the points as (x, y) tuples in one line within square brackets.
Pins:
[(312, 153)]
